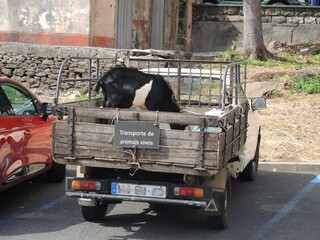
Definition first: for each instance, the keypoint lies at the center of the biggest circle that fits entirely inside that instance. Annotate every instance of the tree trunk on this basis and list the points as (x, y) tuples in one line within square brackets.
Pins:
[(253, 44)]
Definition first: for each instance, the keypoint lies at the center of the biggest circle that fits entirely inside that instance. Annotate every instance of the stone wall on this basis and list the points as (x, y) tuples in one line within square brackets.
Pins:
[(223, 25), (37, 66)]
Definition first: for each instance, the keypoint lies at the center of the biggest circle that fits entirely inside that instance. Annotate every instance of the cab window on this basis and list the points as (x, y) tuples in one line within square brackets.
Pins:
[(21, 101)]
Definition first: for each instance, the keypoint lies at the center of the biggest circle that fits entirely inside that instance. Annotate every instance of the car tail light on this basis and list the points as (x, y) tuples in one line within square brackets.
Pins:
[(189, 192), (83, 185)]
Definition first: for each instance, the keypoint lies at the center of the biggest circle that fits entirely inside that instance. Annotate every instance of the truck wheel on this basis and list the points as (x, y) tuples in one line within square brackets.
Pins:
[(251, 170), (95, 213), (221, 221), (56, 173)]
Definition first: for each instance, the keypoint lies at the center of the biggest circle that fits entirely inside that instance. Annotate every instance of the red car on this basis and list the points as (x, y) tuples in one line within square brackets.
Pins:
[(25, 136)]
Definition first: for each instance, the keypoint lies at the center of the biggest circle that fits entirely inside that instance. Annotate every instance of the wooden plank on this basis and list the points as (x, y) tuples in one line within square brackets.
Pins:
[(127, 114), (101, 133), (229, 135), (97, 102), (222, 148), (166, 155), (147, 167), (243, 127), (236, 135)]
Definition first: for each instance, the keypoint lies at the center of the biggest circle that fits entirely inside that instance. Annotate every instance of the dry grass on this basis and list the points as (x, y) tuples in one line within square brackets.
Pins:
[(291, 122), (291, 129)]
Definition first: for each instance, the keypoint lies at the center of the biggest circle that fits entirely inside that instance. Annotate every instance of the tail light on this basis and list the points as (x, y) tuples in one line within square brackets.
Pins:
[(189, 192), (83, 185)]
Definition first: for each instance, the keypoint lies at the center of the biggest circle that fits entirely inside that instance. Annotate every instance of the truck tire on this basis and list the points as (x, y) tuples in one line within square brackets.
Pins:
[(95, 213), (221, 221), (56, 173), (251, 170)]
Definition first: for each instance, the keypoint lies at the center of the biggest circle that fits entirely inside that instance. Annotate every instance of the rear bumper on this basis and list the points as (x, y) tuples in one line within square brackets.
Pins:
[(113, 198), (212, 202)]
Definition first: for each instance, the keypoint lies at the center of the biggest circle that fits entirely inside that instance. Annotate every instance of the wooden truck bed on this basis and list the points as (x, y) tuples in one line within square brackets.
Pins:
[(79, 139)]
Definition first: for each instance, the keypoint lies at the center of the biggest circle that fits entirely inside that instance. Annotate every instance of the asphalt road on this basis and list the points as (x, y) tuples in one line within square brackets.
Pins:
[(275, 206)]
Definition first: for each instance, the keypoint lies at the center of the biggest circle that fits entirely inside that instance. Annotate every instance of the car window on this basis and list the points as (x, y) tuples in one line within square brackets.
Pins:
[(22, 103)]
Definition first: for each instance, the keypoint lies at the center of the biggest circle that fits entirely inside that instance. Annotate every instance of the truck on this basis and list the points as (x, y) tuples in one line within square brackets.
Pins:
[(133, 155)]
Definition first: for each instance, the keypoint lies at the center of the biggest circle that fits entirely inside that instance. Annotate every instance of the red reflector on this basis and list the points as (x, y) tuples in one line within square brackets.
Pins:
[(186, 192), (87, 185), (191, 192), (78, 185)]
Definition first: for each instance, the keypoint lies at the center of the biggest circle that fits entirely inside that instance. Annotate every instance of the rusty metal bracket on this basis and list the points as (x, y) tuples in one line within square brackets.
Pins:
[(200, 166)]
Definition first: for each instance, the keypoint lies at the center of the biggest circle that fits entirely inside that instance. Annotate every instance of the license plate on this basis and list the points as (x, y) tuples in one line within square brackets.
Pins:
[(128, 189)]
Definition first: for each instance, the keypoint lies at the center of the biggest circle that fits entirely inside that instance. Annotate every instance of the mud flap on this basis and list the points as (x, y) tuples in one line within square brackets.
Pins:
[(216, 205)]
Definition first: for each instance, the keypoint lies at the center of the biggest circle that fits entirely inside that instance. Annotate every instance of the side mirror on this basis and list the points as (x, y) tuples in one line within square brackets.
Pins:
[(47, 109), (258, 103)]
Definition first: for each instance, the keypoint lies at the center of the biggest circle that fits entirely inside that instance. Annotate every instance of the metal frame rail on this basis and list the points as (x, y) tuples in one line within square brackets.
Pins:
[(229, 88), (90, 77)]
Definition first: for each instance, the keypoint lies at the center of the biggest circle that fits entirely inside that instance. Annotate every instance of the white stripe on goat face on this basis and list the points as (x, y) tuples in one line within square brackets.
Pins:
[(141, 95)]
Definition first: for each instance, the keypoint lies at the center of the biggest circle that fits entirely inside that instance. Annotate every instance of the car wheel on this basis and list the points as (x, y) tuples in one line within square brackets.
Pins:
[(222, 221), (95, 213), (251, 170), (56, 173)]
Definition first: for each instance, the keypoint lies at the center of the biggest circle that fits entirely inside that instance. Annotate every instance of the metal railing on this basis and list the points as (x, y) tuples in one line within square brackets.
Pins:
[(93, 63), (194, 82)]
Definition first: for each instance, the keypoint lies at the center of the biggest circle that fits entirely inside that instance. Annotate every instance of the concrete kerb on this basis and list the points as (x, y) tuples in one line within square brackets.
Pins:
[(289, 167)]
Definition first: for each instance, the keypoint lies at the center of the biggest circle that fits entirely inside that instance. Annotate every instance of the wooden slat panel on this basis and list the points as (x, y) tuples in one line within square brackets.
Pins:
[(236, 134), (93, 140), (177, 148)]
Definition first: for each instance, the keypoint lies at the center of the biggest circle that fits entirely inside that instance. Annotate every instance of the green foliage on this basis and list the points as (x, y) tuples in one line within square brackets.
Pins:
[(289, 61), (309, 86), (232, 54), (14, 95), (317, 58), (81, 97)]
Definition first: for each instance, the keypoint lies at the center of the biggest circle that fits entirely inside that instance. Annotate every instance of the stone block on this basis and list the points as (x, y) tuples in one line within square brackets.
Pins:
[(310, 20), (7, 71), (279, 19), (40, 74)]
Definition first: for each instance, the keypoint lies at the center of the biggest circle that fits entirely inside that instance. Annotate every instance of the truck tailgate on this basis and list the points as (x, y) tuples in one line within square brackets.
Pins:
[(180, 151)]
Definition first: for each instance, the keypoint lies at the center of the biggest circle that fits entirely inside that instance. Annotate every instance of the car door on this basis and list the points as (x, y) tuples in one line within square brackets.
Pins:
[(11, 143), (27, 134)]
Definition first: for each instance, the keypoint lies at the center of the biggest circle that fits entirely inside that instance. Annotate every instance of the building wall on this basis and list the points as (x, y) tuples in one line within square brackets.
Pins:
[(82, 22), (215, 28), (103, 15), (58, 22)]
